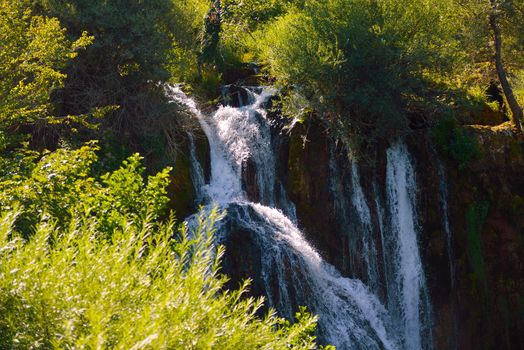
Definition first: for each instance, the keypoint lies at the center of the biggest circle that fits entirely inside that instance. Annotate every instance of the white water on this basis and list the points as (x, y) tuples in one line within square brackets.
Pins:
[(197, 173), (350, 315), (408, 299), (395, 231), (369, 250), (354, 217)]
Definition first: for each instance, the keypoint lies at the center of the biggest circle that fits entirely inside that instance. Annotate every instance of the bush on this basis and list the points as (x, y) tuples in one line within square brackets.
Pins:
[(454, 142), (63, 184), (34, 52), (139, 289), (131, 53), (360, 63)]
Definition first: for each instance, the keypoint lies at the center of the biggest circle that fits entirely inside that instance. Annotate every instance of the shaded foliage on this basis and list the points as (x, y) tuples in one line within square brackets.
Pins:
[(360, 64)]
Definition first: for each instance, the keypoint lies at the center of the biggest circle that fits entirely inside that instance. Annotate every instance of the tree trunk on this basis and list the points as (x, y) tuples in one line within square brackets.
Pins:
[(516, 111)]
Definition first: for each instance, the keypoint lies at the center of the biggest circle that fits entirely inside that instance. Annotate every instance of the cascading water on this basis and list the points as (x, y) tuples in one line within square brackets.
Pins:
[(408, 299), (444, 197), (403, 279), (197, 173), (354, 216), (368, 244), (292, 273)]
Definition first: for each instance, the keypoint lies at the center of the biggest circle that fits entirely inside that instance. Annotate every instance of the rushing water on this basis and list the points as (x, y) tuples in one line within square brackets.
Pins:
[(351, 314), (390, 240), (407, 291)]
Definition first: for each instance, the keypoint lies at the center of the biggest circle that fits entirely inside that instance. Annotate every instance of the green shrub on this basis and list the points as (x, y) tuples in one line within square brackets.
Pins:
[(454, 142), (34, 52), (63, 184), (140, 289), (360, 63)]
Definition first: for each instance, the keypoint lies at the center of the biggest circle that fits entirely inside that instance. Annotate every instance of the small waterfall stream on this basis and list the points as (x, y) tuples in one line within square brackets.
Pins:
[(351, 314), (407, 291), (444, 199), (403, 280)]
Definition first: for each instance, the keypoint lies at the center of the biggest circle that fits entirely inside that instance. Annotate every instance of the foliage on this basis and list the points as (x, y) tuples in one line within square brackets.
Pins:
[(476, 32), (251, 14), (477, 69), (69, 288), (33, 53), (240, 20), (187, 28), (454, 142), (62, 184), (359, 62), (136, 45)]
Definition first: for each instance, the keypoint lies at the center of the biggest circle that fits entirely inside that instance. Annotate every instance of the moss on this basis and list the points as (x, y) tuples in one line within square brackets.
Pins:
[(475, 219), (297, 181), (516, 149), (181, 188), (517, 204)]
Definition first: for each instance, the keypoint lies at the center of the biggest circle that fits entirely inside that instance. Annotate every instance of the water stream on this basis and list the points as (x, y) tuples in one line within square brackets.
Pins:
[(351, 314)]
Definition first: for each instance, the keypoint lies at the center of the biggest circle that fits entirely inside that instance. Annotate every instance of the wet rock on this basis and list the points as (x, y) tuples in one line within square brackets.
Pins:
[(181, 189), (235, 96)]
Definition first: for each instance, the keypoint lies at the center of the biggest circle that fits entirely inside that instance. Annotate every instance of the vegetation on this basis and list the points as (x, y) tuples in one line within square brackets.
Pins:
[(359, 63), (71, 288), (34, 50), (86, 263), (73, 71), (455, 142), (370, 70), (61, 184), (497, 21)]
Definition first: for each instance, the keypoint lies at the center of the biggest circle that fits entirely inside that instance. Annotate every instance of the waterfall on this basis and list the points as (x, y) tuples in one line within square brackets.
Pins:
[(443, 189), (369, 250), (407, 292), (403, 281), (354, 217), (197, 173), (444, 197), (294, 274), (291, 272)]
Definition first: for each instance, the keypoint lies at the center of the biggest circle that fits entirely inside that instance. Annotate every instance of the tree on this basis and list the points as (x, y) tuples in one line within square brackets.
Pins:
[(34, 52), (360, 64), (491, 36), (210, 52), (131, 52), (496, 7)]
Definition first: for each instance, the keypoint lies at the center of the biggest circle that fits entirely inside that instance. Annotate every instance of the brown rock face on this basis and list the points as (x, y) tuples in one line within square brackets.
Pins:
[(309, 177), (181, 188), (488, 222), (478, 301)]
